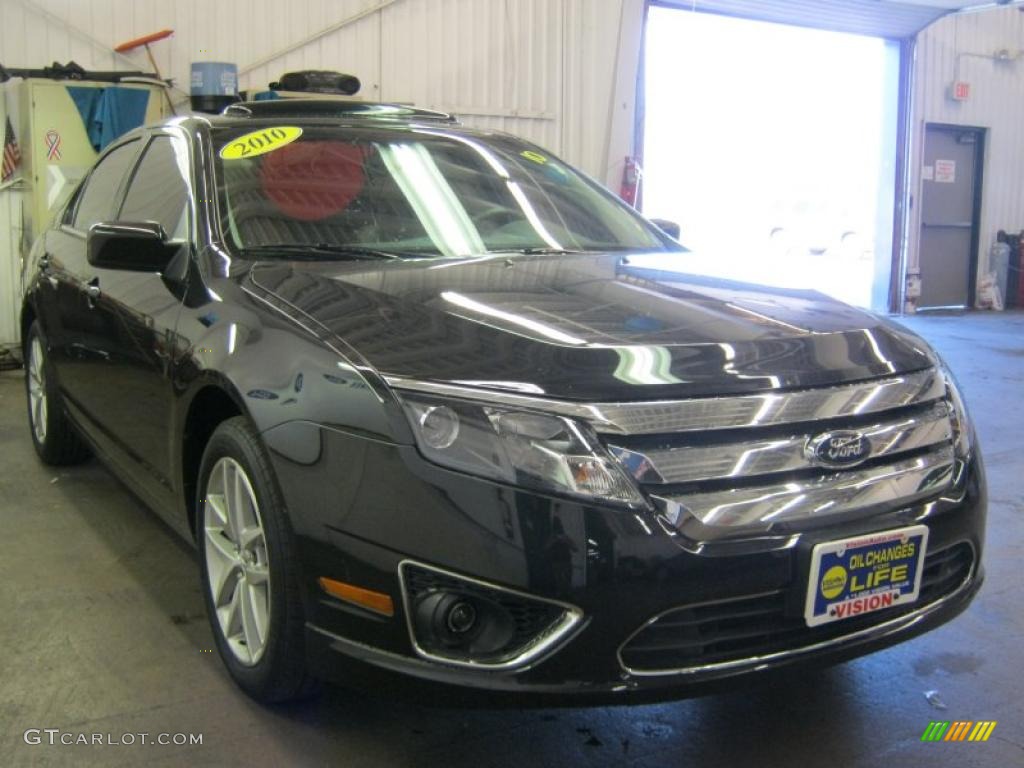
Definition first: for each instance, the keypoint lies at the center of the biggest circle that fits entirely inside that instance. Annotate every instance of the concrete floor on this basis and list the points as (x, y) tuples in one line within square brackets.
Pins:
[(102, 630)]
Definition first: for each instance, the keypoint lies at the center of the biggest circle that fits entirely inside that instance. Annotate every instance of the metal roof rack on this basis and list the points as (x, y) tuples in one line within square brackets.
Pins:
[(333, 108)]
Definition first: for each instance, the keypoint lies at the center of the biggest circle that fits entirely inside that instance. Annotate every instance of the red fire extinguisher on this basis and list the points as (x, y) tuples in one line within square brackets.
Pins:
[(631, 176)]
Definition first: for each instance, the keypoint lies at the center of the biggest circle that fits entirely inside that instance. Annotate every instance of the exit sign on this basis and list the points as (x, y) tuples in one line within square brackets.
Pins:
[(960, 90)]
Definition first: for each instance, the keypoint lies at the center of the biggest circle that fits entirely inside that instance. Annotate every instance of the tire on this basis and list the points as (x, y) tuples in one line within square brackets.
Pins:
[(53, 436), (250, 582)]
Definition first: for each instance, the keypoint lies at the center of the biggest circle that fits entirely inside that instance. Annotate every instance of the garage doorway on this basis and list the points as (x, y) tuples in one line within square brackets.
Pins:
[(774, 148)]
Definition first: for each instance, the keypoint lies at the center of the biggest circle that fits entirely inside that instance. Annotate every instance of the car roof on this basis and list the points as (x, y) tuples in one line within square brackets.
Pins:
[(348, 115), (344, 114), (334, 108)]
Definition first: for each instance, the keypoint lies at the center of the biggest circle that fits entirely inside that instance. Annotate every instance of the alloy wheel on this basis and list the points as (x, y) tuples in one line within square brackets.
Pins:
[(237, 567), (37, 390)]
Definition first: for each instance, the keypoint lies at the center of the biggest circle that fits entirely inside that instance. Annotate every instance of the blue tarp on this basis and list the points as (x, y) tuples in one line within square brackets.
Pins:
[(109, 112)]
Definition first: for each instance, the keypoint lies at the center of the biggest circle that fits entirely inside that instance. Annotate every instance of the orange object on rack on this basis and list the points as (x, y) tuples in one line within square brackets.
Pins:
[(143, 42), (131, 45)]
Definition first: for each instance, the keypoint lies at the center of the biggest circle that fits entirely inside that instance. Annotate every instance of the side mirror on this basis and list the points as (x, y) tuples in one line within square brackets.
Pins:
[(670, 228), (140, 246)]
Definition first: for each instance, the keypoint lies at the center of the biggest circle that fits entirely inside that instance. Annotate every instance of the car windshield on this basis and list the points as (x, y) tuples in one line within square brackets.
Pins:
[(407, 191)]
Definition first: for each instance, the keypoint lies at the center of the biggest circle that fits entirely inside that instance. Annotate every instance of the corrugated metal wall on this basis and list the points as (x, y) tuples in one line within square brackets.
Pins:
[(543, 69), (996, 103)]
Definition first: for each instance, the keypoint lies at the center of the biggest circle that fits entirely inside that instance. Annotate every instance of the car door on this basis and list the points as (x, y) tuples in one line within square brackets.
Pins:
[(72, 327), (134, 314)]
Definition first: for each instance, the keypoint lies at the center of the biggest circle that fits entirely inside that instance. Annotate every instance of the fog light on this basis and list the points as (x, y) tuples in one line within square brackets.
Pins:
[(461, 617), (466, 622), (462, 624)]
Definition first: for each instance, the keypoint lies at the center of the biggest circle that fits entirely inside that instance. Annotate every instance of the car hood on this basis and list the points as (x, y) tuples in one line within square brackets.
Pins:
[(600, 327)]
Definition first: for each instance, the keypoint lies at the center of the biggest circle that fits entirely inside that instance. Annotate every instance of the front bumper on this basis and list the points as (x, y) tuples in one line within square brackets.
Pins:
[(621, 569), (349, 662)]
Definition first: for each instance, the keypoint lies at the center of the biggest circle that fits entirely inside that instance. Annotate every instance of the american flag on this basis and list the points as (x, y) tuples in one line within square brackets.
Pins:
[(12, 154)]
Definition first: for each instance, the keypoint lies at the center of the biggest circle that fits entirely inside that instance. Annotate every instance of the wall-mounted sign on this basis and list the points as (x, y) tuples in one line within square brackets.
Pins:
[(945, 171), (960, 90)]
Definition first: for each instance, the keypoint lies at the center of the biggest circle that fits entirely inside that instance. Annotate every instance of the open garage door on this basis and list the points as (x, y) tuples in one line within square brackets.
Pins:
[(773, 147), (774, 133)]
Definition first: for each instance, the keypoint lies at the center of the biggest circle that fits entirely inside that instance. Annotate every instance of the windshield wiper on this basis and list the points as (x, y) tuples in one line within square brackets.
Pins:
[(310, 251), (594, 249), (538, 251)]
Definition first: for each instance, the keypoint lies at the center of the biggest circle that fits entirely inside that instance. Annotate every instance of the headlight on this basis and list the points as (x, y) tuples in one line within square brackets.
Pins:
[(523, 448), (963, 431)]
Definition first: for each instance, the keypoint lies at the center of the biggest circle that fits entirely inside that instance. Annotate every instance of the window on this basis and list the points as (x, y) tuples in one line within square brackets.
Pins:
[(96, 202), (418, 193), (158, 191), (68, 217)]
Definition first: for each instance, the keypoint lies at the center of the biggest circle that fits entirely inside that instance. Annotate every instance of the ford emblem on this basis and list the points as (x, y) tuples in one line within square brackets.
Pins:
[(842, 448)]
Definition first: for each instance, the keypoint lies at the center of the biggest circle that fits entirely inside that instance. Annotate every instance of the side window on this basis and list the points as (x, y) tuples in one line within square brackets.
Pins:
[(96, 200), (157, 191), (69, 210)]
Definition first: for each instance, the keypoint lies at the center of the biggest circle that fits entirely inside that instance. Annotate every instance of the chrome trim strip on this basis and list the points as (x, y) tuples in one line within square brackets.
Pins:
[(544, 644), (868, 633), (745, 459), (669, 416), (701, 515)]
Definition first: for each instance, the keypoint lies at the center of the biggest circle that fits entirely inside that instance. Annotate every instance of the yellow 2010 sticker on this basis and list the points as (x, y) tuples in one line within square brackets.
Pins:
[(536, 157), (260, 142)]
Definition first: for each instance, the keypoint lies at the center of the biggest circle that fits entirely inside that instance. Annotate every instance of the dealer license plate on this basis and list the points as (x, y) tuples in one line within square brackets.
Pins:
[(864, 574)]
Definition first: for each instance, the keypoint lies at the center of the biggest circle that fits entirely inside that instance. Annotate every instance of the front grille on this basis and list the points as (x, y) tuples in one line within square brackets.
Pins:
[(732, 466), (758, 625)]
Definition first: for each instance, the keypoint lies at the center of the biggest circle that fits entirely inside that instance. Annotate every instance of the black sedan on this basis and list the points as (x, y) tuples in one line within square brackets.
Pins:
[(429, 401)]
